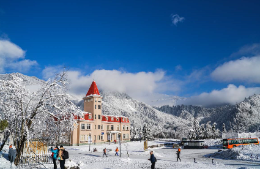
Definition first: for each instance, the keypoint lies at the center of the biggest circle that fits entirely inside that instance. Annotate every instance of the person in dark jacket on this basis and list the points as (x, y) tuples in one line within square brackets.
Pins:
[(55, 155), (178, 154), (12, 154), (152, 159), (60, 157), (104, 152)]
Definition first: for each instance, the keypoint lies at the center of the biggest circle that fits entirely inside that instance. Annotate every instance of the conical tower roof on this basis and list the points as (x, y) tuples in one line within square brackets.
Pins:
[(93, 90)]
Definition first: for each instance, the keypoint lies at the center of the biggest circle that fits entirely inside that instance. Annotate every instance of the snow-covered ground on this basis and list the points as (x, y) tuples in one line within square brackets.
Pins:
[(246, 152), (138, 158)]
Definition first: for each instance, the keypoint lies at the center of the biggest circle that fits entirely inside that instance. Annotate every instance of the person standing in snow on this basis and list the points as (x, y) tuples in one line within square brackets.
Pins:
[(12, 154), (54, 155), (60, 157), (152, 159), (104, 152), (178, 154), (117, 151)]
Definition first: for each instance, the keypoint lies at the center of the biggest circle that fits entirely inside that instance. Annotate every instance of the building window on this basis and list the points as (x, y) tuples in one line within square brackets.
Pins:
[(116, 119), (95, 99), (126, 127), (112, 118), (127, 136), (99, 106), (95, 116), (102, 127), (82, 137), (98, 116), (112, 127), (95, 106), (123, 136), (102, 137), (95, 126), (122, 119), (117, 128), (88, 126), (107, 118), (107, 127), (82, 126), (123, 127), (90, 116), (98, 126), (98, 137)]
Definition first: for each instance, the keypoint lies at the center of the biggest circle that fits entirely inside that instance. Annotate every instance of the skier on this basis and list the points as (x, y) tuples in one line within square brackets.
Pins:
[(152, 159), (117, 151), (60, 157), (104, 152), (178, 154), (54, 155)]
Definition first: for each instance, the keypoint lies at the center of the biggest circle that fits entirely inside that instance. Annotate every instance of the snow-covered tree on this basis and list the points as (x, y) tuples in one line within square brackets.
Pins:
[(224, 128), (214, 130), (36, 114)]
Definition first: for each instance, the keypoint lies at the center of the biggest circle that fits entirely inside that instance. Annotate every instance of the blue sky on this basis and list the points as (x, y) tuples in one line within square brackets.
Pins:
[(177, 45)]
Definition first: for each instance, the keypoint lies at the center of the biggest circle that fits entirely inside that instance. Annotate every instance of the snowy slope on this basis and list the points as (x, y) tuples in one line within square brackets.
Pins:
[(246, 152), (244, 116), (163, 99), (121, 104)]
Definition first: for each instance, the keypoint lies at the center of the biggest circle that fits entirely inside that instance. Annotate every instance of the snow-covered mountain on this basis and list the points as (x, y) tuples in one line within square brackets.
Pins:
[(164, 99), (121, 104), (244, 116)]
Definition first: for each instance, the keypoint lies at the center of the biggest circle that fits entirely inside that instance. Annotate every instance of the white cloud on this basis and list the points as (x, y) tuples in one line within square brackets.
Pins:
[(23, 65), (114, 80), (248, 50), (138, 85), (245, 70), (10, 50), (12, 57), (51, 71), (230, 95), (176, 19)]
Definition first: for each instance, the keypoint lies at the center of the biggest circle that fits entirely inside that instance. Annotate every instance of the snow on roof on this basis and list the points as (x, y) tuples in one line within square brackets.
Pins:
[(114, 116), (93, 90)]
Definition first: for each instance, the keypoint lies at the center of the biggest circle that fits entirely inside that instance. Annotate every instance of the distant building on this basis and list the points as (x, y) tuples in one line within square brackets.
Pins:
[(94, 126)]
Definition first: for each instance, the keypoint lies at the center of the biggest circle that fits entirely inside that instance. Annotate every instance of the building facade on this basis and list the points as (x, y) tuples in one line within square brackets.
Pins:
[(95, 127)]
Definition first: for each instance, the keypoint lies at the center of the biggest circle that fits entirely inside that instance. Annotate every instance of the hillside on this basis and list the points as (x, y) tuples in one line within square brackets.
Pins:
[(121, 104), (244, 116)]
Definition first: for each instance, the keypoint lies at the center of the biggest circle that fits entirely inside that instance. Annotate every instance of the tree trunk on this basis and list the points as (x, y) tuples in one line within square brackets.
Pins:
[(6, 138), (19, 150)]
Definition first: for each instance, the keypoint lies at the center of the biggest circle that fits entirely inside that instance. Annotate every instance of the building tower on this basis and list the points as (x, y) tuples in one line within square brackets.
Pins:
[(93, 105)]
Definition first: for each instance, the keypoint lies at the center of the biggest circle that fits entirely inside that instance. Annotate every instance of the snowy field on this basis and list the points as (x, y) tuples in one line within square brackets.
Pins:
[(166, 157)]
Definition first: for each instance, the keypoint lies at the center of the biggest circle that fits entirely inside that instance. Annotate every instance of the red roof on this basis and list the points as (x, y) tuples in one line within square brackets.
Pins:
[(93, 89)]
